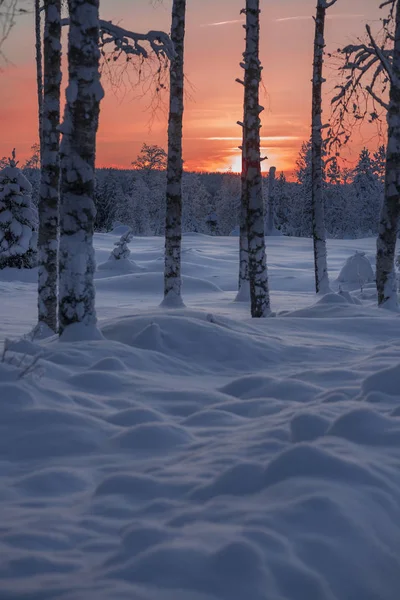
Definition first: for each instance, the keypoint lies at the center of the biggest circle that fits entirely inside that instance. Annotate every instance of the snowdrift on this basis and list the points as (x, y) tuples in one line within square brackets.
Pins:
[(357, 269), (194, 456)]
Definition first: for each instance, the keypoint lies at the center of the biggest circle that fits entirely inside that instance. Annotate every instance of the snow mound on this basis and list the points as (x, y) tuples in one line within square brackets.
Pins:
[(307, 427), (385, 380), (185, 338), (365, 426), (357, 269), (152, 283), (123, 265), (152, 437), (201, 454)]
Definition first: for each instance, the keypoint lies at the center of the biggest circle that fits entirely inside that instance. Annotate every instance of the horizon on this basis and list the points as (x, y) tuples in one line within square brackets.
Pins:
[(214, 100)]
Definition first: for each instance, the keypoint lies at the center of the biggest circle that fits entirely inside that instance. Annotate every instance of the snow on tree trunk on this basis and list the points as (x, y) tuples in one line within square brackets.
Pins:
[(252, 180), (173, 220), (271, 202), (243, 294), (388, 226), (50, 170), (39, 70), (78, 150), (318, 219)]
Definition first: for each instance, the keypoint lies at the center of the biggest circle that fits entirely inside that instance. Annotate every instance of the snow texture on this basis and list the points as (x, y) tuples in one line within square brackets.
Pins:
[(193, 455)]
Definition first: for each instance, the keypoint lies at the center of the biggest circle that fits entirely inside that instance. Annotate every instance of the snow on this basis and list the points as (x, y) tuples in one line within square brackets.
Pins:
[(194, 453), (357, 269)]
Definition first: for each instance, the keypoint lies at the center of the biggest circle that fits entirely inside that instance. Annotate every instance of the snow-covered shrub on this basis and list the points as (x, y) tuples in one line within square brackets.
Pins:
[(18, 219), (357, 269), (212, 223), (119, 258), (121, 250)]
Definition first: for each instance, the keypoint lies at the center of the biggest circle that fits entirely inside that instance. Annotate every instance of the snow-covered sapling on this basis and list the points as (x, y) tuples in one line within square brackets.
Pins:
[(357, 270), (121, 250), (18, 219), (212, 223)]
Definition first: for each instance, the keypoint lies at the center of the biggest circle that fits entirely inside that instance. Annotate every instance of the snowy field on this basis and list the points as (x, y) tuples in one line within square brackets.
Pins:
[(197, 454)]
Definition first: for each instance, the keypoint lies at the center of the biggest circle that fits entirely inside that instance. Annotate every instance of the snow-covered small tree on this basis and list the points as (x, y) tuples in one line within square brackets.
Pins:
[(18, 219), (212, 223), (121, 250)]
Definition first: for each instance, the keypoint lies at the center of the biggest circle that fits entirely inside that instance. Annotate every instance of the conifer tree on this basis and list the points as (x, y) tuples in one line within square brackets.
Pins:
[(18, 219)]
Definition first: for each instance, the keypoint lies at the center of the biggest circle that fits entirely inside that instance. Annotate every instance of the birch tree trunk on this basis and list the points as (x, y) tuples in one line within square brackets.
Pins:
[(50, 170), (39, 71), (243, 294), (318, 218), (271, 202), (173, 221), (252, 180), (389, 219), (78, 151)]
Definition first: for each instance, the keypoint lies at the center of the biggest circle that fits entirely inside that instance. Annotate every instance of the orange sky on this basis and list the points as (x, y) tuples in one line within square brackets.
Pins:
[(213, 52)]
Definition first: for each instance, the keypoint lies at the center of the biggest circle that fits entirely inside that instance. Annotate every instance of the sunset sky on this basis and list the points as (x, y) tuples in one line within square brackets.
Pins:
[(214, 44)]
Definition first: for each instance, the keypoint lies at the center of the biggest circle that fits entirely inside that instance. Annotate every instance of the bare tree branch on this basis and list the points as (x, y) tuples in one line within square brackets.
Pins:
[(9, 11), (367, 72)]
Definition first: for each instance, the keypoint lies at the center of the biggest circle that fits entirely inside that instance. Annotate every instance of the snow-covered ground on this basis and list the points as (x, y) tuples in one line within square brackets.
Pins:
[(196, 454)]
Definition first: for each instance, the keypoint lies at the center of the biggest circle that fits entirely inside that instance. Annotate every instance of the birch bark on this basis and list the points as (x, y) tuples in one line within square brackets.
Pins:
[(50, 169), (173, 221), (252, 180), (78, 151), (318, 217), (389, 218)]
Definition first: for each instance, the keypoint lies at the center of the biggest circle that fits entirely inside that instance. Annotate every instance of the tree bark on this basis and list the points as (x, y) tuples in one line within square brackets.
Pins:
[(173, 221), (318, 218), (271, 201), (243, 294), (39, 71), (78, 151), (50, 170), (251, 175), (389, 219)]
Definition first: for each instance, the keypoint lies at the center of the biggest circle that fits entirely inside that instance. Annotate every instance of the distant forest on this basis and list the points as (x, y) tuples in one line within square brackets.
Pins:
[(211, 201)]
